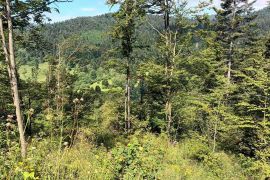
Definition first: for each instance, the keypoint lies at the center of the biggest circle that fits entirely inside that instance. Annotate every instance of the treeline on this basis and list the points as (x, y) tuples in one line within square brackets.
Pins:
[(46, 38)]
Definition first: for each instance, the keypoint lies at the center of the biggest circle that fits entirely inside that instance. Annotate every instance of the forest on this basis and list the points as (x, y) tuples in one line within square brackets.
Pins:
[(156, 90)]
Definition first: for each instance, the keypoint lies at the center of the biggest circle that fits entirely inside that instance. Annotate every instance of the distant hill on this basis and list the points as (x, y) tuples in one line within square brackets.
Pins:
[(93, 32), (78, 25), (263, 20), (104, 22)]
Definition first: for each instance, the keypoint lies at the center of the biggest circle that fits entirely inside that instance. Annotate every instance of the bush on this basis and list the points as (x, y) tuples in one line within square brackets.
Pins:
[(83, 161), (140, 156), (139, 159)]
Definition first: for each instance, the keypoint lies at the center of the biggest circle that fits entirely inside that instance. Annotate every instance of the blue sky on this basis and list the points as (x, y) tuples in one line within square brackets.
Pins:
[(79, 8)]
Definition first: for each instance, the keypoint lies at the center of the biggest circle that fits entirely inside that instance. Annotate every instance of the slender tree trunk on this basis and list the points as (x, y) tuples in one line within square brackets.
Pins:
[(14, 81), (172, 46), (216, 126), (4, 46), (169, 66), (6, 53), (168, 105), (169, 115), (142, 114), (166, 15), (127, 99)]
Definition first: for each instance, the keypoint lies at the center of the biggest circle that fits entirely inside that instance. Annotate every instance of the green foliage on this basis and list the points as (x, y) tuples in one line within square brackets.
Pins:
[(145, 156), (72, 83), (81, 162), (27, 72), (152, 157), (138, 159), (5, 97)]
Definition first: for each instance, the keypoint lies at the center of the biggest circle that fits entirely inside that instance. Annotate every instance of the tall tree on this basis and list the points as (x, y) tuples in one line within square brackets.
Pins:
[(233, 29), (252, 105), (168, 43), (18, 14), (230, 26), (124, 30), (173, 45)]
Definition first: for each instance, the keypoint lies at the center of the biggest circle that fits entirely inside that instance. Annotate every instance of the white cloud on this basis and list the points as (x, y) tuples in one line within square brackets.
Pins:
[(258, 5), (88, 9)]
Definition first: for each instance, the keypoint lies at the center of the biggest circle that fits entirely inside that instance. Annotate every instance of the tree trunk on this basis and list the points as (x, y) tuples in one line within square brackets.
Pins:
[(230, 62), (127, 98), (172, 44), (166, 15), (14, 81), (169, 115), (142, 114), (168, 67), (4, 46)]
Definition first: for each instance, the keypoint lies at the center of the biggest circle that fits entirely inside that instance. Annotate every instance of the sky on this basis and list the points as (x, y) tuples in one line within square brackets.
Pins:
[(78, 8)]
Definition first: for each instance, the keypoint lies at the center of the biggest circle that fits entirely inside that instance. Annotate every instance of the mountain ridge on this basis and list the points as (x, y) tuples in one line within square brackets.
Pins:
[(105, 21)]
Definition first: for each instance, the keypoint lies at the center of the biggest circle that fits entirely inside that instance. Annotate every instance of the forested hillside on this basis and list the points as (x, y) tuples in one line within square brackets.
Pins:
[(263, 20), (156, 90), (97, 27), (104, 22)]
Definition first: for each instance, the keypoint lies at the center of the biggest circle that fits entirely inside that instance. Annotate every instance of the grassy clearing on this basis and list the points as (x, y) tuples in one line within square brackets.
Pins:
[(27, 72)]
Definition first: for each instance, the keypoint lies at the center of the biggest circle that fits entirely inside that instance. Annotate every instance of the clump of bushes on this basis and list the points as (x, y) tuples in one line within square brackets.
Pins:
[(140, 156), (151, 157)]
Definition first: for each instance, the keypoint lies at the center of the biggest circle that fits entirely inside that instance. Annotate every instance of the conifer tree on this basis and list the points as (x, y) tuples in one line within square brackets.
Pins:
[(126, 23), (163, 72), (267, 51), (167, 48), (233, 27), (253, 104), (231, 23)]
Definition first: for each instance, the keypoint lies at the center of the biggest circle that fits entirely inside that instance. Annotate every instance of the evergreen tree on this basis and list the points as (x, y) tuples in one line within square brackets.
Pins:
[(231, 25), (267, 51), (165, 74), (127, 19), (252, 106)]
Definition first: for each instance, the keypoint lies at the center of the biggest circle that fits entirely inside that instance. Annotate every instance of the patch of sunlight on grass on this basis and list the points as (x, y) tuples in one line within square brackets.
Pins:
[(26, 72)]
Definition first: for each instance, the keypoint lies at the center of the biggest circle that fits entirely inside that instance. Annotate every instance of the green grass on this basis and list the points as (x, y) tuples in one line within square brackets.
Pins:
[(104, 88), (26, 72)]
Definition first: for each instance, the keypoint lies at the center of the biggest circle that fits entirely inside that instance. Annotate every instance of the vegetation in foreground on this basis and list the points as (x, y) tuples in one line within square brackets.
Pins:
[(141, 156)]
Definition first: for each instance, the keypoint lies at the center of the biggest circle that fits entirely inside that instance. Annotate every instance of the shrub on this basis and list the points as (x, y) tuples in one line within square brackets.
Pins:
[(139, 159)]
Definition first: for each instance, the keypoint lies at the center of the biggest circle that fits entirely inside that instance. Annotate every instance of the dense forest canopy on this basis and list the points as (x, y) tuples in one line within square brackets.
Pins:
[(156, 90)]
